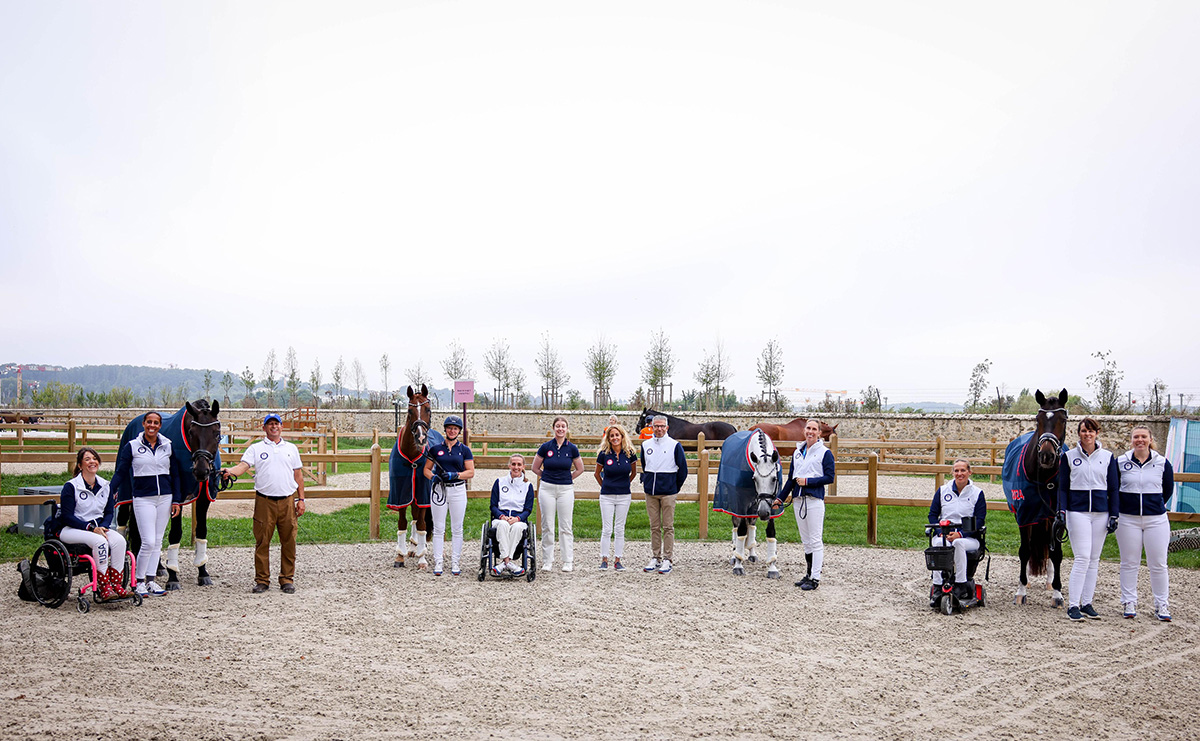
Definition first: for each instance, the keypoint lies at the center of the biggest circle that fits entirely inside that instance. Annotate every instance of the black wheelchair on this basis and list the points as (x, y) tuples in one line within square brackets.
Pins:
[(489, 553), (54, 565), (941, 558)]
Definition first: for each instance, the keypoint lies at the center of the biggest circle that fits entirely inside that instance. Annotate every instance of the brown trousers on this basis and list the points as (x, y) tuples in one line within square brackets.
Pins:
[(661, 510), (269, 515)]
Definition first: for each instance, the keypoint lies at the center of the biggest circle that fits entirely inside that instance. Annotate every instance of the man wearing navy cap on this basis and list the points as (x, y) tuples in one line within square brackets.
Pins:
[(277, 476)]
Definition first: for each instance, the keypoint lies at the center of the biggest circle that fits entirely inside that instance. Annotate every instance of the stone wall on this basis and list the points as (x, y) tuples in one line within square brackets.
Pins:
[(982, 427)]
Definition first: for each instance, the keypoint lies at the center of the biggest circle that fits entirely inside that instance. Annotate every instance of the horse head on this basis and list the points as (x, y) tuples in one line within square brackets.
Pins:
[(764, 465), (644, 420), (1051, 429), (202, 431), (827, 431), (418, 420)]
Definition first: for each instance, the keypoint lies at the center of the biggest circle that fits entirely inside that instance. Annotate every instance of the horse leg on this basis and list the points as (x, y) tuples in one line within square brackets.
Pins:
[(751, 541), (200, 557), (401, 537), (1056, 569), (422, 525), (772, 565), (174, 535), (739, 548), (1023, 553)]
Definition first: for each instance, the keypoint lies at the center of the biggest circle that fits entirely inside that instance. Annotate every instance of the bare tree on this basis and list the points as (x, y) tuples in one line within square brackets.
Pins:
[(339, 376), (1156, 402), (601, 367), (291, 375), (417, 375), (658, 365), (360, 380), (208, 383), (314, 382), (770, 369), (226, 384), (385, 365), (1106, 382), (497, 362), (712, 373), (550, 368), (457, 366), (248, 382), (270, 368), (978, 385)]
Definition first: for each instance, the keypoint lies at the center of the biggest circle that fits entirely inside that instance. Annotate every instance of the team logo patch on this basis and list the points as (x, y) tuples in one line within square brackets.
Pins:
[(441, 453), (549, 453), (608, 462), (141, 448), (649, 451), (83, 494), (949, 497), (262, 456), (504, 488), (1077, 462), (1128, 466)]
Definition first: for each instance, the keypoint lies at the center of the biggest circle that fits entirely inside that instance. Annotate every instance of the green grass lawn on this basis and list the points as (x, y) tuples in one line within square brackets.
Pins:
[(845, 524)]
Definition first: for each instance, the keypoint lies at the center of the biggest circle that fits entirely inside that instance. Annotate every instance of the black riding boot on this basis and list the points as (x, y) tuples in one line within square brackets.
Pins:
[(807, 574)]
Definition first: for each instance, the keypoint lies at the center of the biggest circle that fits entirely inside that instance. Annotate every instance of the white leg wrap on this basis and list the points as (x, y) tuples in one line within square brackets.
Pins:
[(401, 543), (771, 543), (411, 533), (201, 556), (420, 550), (172, 558), (751, 543), (739, 549)]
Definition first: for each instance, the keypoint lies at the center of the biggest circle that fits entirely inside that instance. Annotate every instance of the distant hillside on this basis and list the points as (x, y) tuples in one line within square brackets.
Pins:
[(933, 407)]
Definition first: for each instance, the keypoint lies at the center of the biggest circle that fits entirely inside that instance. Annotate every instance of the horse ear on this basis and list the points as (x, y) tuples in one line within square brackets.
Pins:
[(754, 457), (1039, 397), (424, 390), (1062, 397), (775, 456), (410, 393), (192, 409), (216, 407)]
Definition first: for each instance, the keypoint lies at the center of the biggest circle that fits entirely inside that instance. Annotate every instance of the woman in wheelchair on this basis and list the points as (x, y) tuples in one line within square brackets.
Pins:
[(512, 503), (954, 501), (85, 516)]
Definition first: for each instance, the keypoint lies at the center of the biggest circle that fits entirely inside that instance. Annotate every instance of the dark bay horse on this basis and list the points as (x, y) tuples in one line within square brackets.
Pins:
[(1037, 502), (749, 481), (793, 430), (681, 429), (408, 486), (195, 435)]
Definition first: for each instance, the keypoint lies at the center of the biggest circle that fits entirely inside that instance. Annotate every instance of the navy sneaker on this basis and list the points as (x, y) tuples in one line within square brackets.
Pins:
[(1073, 613), (618, 566), (1089, 612)]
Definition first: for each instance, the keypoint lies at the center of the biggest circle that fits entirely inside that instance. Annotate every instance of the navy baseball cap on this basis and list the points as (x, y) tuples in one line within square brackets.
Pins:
[(271, 418)]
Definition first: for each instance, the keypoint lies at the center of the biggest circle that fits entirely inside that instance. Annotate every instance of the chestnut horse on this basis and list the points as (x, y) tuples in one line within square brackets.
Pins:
[(681, 429), (408, 485), (793, 430)]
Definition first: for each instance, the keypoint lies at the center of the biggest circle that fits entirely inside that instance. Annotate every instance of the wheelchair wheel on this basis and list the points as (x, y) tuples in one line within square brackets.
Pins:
[(50, 572), (137, 599), (127, 573), (484, 552), (946, 605), (82, 604)]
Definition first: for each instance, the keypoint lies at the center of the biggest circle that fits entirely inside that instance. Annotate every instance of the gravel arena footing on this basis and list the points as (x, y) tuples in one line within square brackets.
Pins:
[(366, 651)]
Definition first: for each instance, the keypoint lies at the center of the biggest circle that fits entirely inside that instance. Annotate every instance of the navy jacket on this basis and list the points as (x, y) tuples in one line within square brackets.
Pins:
[(126, 486), (665, 484), (814, 487), (1088, 500)]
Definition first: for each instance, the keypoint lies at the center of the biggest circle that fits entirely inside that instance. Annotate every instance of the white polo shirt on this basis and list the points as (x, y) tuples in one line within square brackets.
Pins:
[(273, 464)]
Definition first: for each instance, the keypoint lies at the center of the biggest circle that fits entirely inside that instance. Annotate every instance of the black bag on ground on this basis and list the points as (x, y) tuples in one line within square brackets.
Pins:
[(25, 591)]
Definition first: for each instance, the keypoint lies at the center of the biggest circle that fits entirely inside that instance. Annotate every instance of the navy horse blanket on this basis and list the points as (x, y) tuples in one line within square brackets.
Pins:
[(406, 479), (736, 494), (1030, 501), (172, 429)]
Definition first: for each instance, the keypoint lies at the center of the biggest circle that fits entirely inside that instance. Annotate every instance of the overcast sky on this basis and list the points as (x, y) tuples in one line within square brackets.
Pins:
[(895, 191)]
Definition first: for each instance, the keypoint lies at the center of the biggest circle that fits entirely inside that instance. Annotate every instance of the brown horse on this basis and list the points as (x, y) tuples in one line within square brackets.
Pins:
[(793, 430), (13, 418), (408, 485)]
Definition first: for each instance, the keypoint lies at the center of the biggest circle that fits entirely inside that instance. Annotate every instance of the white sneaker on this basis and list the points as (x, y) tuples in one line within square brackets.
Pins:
[(141, 589), (568, 568), (652, 566), (666, 566), (153, 588), (515, 567), (546, 565)]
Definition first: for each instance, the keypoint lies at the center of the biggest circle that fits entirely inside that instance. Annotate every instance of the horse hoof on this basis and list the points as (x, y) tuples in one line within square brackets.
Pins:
[(732, 560), (1058, 602), (738, 571), (773, 575), (174, 586), (204, 581), (1019, 600), (752, 558), (397, 564)]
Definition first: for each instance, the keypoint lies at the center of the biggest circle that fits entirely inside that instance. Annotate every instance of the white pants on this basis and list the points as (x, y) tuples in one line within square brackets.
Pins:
[(961, 546), (613, 511), (452, 499), (811, 524), (103, 547), (1086, 530), (560, 499), (508, 536), (1154, 533), (152, 515)]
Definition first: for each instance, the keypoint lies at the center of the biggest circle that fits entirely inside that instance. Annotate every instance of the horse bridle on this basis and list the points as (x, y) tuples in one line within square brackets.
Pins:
[(419, 423), (200, 454)]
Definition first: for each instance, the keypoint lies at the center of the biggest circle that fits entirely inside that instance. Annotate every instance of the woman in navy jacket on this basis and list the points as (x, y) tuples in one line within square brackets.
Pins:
[(148, 473), (512, 503), (1087, 503), (1147, 484), (85, 515), (812, 468)]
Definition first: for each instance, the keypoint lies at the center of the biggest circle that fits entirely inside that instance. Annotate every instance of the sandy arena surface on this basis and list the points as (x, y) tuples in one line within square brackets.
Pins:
[(365, 651)]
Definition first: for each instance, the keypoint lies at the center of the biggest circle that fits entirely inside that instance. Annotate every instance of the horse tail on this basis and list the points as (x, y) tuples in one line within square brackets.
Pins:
[(1039, 548)]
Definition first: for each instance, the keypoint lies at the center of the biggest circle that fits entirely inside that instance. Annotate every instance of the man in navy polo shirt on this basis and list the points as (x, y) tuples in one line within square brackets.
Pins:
[(277, 476)]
